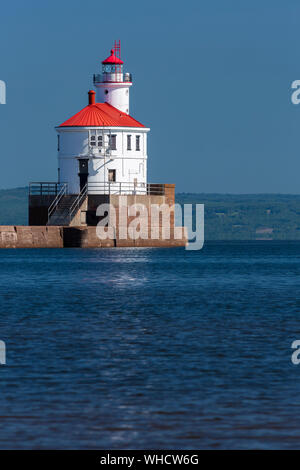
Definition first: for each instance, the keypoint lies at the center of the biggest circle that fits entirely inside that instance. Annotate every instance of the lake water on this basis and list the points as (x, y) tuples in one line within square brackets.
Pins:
[(150, 348)]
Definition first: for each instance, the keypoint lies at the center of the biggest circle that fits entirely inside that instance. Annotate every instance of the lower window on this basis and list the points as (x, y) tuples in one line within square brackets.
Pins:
[(111, 175)]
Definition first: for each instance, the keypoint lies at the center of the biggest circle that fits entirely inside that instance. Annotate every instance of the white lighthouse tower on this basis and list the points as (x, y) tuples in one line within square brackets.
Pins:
[(102, 148), (113, 85)]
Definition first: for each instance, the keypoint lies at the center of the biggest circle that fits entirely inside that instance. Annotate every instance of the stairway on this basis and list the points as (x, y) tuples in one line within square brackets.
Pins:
[(61, 215)]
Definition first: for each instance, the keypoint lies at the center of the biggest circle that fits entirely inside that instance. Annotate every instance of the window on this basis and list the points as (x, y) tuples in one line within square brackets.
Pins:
[(96, 140), (137, 143), (111, 175), (112, 68), (58, 143), (112, 139), (128, 142)]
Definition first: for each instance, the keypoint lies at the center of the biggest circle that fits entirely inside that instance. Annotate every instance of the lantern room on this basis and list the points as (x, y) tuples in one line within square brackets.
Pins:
[(112, 64)]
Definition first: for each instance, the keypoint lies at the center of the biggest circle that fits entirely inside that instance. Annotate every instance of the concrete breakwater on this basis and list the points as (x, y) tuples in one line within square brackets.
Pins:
[(21, 236)]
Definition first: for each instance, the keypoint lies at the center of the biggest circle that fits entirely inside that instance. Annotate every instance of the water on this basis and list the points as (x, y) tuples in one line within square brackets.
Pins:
[(150, 348)]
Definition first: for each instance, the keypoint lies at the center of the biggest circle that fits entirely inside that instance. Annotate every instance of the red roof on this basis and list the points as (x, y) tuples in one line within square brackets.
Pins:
[(101, 115), (112, 59)]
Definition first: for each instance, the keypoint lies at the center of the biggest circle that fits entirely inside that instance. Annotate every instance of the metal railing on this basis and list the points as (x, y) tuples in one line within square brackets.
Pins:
[(112, 77), (155, 189), (125, 188), (59, 190), (78, 201), (109, 187), (45, 189), (62, 192)]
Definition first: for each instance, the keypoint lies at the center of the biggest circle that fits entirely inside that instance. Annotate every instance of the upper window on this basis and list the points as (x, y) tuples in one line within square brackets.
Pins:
[(112, 141), (96, 140), (128, 142), (137, 143), (112, 68)]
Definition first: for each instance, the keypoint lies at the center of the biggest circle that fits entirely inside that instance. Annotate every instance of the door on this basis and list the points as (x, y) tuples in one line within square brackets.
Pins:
[(83, 172)]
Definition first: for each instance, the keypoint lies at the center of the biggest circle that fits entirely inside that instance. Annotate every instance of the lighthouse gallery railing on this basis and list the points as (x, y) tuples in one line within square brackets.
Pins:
[(112, 77), (58, 190)]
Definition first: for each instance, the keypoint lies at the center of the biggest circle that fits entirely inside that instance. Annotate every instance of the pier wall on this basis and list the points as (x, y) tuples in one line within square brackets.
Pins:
[(82, 231), (13, 236), (19, 236)]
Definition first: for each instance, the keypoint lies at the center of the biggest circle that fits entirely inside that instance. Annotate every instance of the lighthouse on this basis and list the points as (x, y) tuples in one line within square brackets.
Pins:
[(102, 172), (102, 147)]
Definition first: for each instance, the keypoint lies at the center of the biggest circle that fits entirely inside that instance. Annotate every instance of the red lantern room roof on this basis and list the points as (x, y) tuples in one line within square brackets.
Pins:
[(112, 59)]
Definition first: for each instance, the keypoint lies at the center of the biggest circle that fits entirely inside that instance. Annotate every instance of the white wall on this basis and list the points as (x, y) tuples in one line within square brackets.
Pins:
[(130, 165), (117, 95)]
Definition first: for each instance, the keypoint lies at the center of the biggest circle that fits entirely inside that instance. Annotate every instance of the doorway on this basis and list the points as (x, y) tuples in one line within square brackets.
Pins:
[(83, 172)]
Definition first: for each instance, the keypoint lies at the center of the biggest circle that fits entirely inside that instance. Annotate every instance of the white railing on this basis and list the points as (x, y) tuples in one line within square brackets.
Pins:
[(62, 192), (58, 190), (112, 77), (126, 188), (78, 201)]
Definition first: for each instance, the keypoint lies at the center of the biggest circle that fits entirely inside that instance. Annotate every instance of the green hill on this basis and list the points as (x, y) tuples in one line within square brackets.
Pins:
[(227, 216), (248, 217), (14, 206)]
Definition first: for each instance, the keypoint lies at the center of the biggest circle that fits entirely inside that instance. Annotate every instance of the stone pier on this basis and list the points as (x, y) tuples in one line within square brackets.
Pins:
[(14, 236)]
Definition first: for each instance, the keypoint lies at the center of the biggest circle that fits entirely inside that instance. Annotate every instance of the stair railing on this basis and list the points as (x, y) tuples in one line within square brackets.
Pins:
[(62, 192), (78, 201)]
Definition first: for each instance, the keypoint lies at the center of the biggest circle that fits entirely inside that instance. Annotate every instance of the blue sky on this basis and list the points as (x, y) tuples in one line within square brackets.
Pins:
[(211, 78)]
